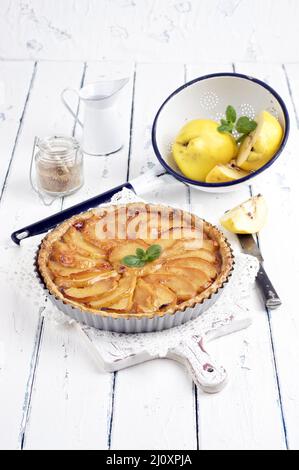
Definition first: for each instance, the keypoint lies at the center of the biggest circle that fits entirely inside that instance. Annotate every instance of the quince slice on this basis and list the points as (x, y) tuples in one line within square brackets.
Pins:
[(202, 254), (198, 279), (65, 255), (164, 297), (179, 233), (91, 292), (180, 286), (58, 270), (122, 304), (124, 288), (75, 240), (164, 243), (86, 279), (143, 297), (223, 173), (261, 144), (196, 263), (248, 217)]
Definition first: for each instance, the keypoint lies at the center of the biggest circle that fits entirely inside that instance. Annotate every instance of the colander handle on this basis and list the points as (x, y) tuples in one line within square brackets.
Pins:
[(42, 226), (142, 183)]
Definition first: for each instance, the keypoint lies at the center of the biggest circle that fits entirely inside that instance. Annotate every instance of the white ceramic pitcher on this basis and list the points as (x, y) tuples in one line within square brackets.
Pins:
[(102, 128)]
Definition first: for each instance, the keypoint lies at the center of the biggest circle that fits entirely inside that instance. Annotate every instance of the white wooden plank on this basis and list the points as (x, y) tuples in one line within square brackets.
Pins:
[(277, 241), (15, 80), (246, 414), (155, 399), (45, 115), (20, 326), (77, 413), (150, 30)]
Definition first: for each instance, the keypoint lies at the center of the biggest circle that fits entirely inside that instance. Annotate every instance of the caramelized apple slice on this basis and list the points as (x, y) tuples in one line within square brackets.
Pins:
[(124, 249), (203, 254), (192, 244), (182, 287), (107, 225), (164, 243), (178, 233), (91, 235), (189, 248), (124, 288), (87, 279), (198, 279), (151, 267), (138, 226), (107, 299), (122, 305), (209, 245), (152, 297), (196, 263), (75, 240), (102, 268), (164, 297), (143, 297), (91, 292), (58, 270), (62, 253)]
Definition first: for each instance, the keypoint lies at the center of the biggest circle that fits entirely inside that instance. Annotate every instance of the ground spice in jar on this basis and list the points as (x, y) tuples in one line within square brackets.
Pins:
[(59, 165)]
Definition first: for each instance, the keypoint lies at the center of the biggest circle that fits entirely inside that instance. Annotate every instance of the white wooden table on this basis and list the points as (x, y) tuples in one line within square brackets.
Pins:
[(52, 394)]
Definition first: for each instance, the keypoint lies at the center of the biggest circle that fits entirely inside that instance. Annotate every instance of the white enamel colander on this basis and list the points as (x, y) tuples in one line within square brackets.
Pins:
[(207, 98)]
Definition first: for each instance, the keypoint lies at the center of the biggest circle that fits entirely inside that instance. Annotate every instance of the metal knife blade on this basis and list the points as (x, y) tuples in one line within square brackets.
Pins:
[(270, 295), (250, 246)]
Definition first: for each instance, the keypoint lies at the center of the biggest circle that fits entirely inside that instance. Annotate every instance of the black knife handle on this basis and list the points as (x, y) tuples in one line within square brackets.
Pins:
[(270, 295), (46, 224)]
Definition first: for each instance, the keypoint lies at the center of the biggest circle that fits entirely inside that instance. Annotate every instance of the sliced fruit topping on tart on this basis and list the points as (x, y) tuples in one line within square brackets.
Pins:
[(91, 292), (67, 256), (182, 287), (125, 287), (197, 263), (86, 279), (75, 240), (179, 258), (197, 278)]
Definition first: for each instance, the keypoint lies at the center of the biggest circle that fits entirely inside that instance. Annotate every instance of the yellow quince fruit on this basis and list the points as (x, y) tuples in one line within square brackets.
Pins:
[(199, 146), (261, 144), (248, 217)]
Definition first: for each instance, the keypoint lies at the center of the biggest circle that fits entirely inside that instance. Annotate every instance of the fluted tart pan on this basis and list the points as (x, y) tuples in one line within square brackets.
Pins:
[(135, 321)]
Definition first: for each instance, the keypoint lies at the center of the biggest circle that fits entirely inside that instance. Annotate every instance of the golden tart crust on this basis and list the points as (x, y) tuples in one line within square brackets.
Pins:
[(85, 270)]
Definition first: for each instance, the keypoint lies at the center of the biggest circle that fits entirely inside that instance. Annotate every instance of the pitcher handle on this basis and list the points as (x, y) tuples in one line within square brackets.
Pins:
[(63, 99)]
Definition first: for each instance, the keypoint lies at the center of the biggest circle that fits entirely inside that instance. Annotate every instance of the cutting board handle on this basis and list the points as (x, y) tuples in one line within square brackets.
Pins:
[(205, 372)]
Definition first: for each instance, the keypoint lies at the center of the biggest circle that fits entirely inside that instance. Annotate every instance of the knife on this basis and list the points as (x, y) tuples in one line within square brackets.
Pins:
[(270, 295)]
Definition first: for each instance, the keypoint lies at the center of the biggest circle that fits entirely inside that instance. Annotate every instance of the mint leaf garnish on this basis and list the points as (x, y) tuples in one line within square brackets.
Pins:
[(133, 261), (153, 252), (243, 126), (141, 257), (231, 115)]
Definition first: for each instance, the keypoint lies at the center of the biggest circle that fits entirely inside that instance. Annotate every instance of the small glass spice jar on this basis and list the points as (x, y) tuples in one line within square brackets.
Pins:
[(58, 165)]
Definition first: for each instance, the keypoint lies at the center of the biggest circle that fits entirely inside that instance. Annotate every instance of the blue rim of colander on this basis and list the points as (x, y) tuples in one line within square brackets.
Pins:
[(240, 180)]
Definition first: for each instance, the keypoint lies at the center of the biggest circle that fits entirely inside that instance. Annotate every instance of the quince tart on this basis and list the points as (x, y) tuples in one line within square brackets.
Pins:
[(134, 260)]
